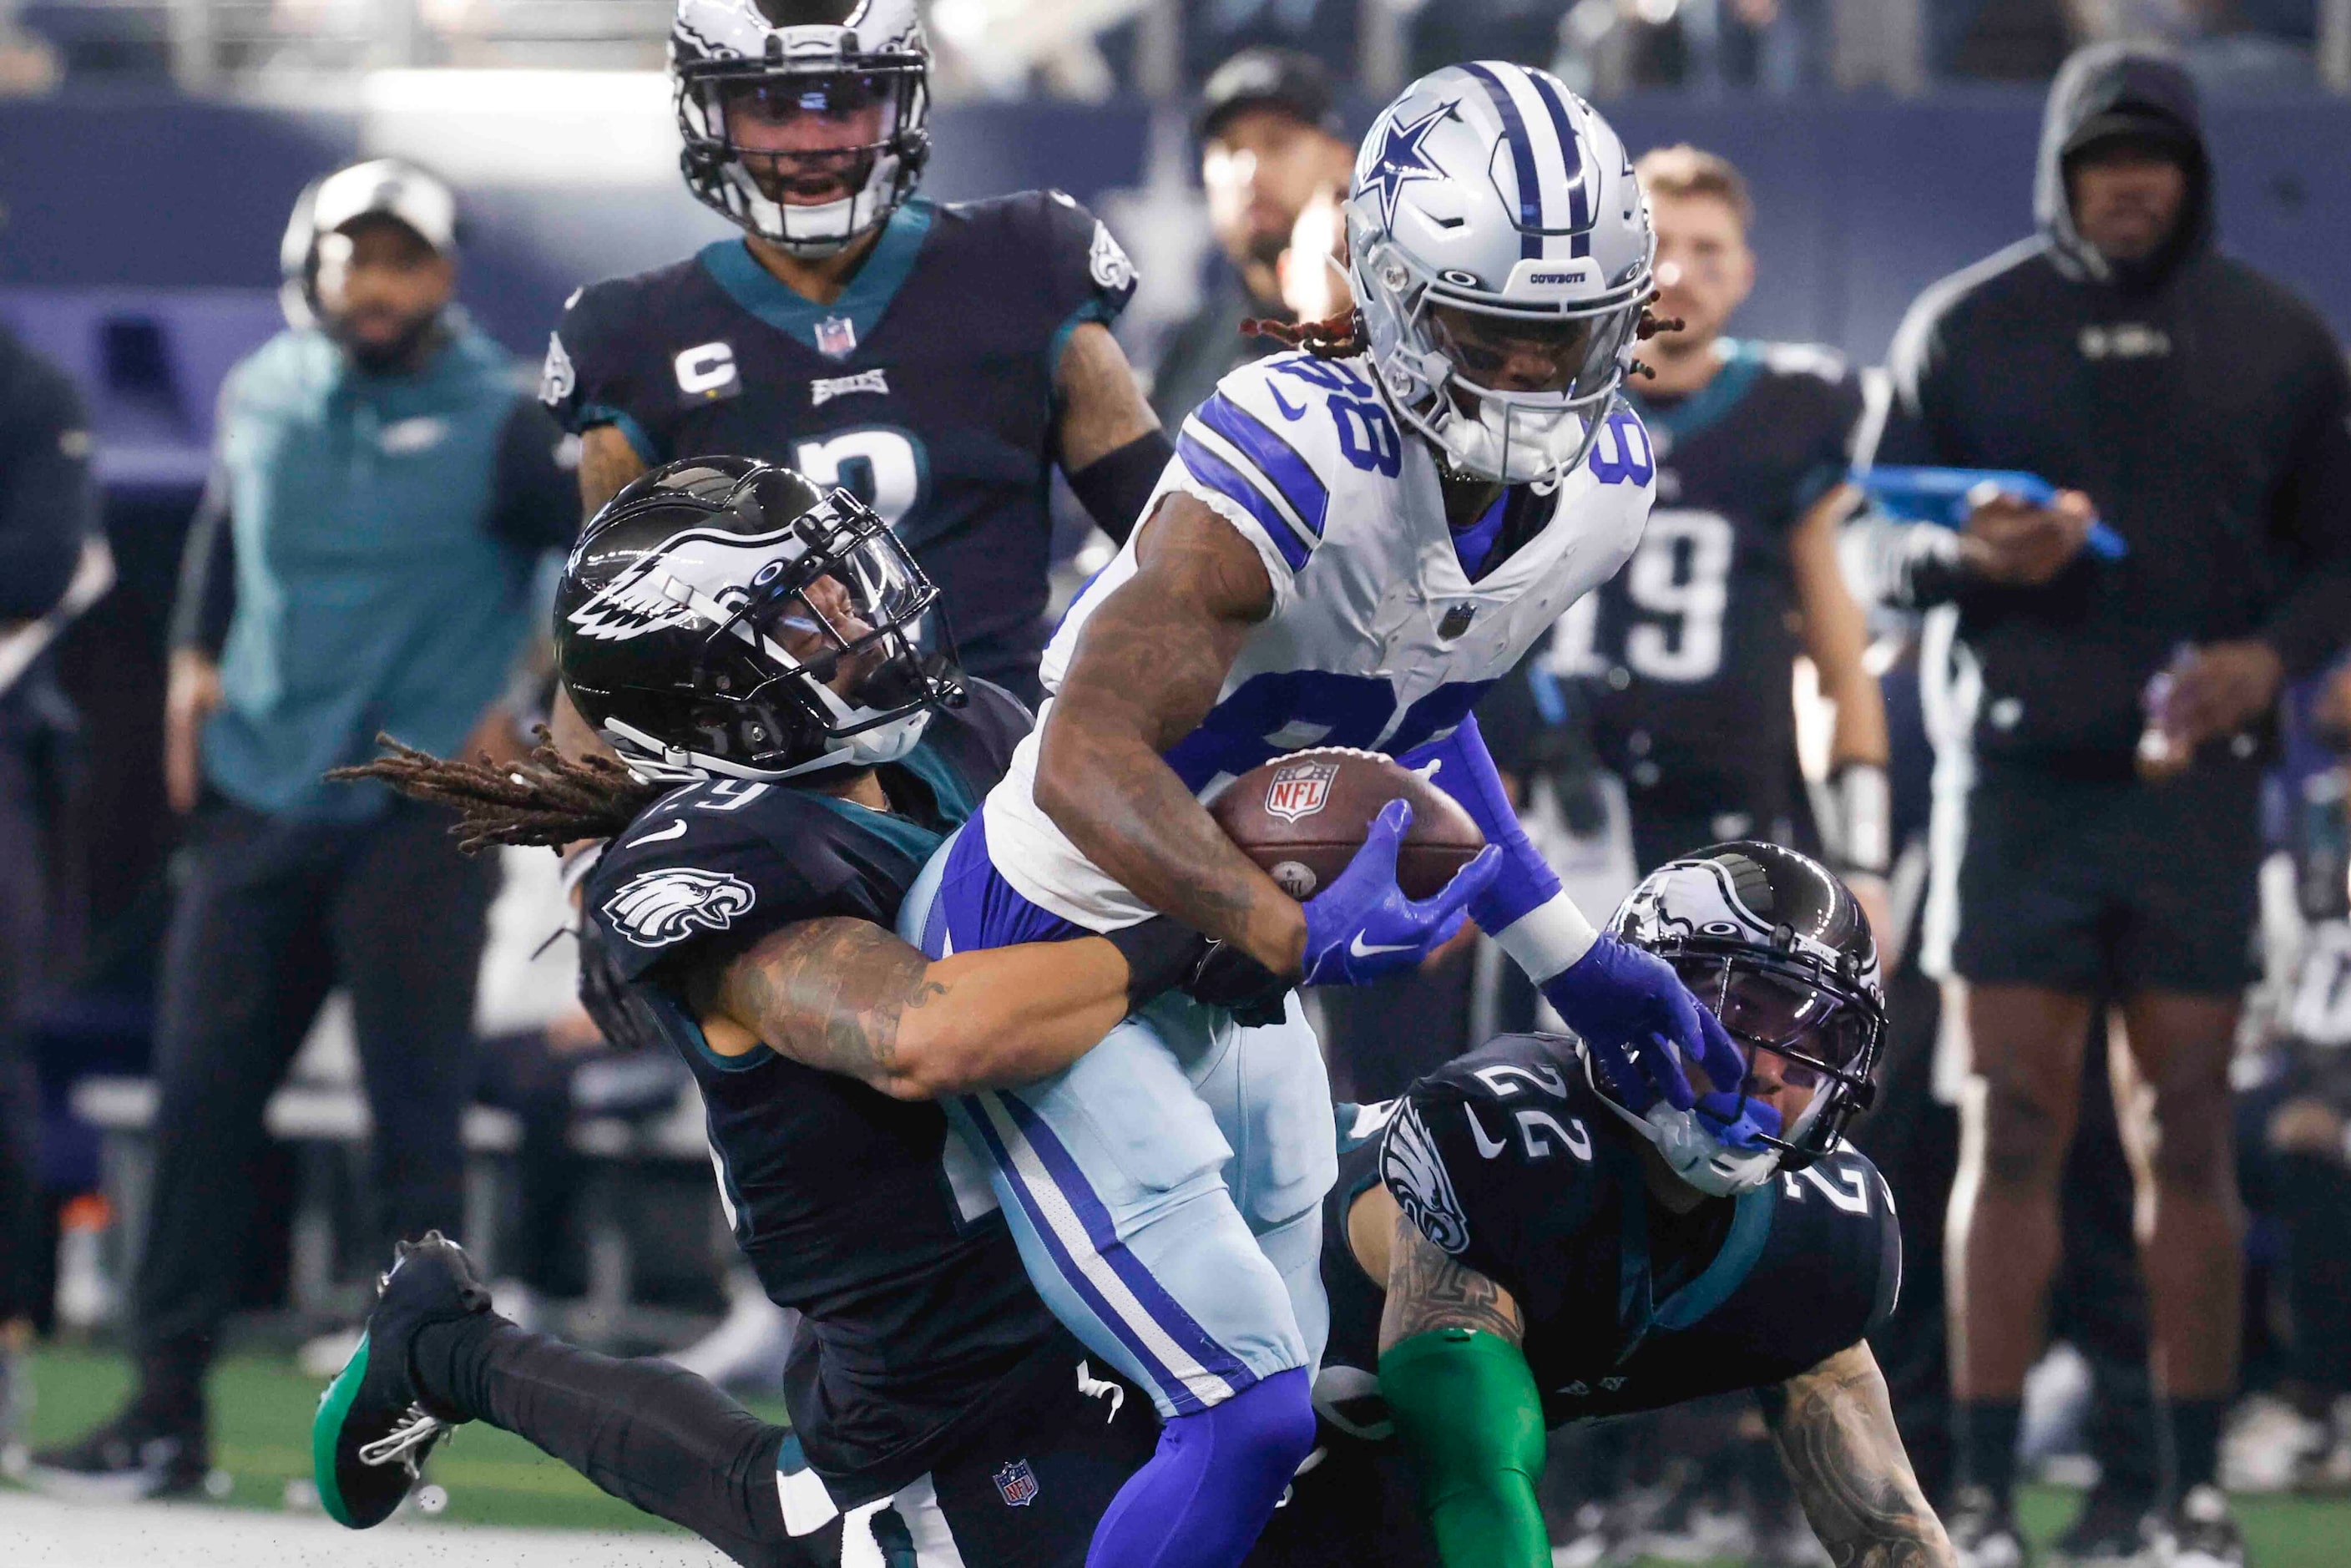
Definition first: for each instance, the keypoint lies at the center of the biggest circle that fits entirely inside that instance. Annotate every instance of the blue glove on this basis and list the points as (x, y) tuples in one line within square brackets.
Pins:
[(1461, 766), (1363, 926), (1639, 1022)]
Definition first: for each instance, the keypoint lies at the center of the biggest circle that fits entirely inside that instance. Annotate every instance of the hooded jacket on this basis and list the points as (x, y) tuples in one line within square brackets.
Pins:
[(2204, 409)]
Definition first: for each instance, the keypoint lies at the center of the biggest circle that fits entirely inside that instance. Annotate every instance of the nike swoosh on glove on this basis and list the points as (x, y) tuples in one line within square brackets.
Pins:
[(1640, 1024), (1363, 926)]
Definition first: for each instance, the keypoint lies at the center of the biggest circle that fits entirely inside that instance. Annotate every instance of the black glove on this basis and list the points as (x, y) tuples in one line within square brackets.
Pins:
[(623, 1017), (1228, 977)]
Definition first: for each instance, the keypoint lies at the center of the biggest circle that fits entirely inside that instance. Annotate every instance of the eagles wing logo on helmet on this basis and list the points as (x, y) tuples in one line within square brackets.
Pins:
[(556, 376), (1415, 1173), (1107, 262), (695, 577), (655, 909)]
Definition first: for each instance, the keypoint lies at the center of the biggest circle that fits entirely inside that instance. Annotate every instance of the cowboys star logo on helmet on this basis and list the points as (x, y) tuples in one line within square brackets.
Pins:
[(668, 904)]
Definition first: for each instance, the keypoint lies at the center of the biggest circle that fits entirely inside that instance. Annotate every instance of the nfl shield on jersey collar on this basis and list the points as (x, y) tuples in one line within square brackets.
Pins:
[(1378, 639)]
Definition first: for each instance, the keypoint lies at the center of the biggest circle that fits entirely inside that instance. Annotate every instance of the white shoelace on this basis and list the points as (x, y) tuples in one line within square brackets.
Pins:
[(405, 1444)]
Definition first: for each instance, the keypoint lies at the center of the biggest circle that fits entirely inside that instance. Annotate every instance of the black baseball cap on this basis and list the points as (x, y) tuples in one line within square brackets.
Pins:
[(2149, 125), (1265, 78)]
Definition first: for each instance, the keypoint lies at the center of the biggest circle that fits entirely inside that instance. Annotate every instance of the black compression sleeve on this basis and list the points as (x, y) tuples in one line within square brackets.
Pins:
[(1114, 486), (1161, 954)]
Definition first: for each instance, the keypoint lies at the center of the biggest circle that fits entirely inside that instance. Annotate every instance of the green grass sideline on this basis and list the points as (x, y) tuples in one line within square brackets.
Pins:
[(262, 1406)]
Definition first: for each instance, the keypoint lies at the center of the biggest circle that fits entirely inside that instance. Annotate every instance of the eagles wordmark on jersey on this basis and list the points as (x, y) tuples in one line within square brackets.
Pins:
[(926, 388)]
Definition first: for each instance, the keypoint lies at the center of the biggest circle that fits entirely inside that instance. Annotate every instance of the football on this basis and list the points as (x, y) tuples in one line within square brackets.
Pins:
[(1302, 817)]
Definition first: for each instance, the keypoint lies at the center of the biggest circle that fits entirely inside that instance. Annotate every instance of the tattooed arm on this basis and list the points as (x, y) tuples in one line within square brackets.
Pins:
[(1837, 1438), (848, 997), (1426, 1288), (1147, 670), (1461, 1395)]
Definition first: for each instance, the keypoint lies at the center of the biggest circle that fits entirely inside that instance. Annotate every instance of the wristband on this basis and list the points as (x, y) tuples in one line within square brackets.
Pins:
[(1864, 816), (1548, 938), (1113, 488), (1160, 954)]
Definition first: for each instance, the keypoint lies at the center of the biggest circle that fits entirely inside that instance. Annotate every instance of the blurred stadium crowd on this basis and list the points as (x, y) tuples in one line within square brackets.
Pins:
[(161, 884)]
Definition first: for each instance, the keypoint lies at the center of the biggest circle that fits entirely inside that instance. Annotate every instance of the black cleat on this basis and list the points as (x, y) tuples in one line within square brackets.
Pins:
[(143, 1453), (368, 1440), (2198, 1531), (2109, 1532)]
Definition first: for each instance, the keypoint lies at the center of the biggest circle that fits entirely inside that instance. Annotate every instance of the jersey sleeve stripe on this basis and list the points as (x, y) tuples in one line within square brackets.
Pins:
[(1222, 472), (1292, 475)]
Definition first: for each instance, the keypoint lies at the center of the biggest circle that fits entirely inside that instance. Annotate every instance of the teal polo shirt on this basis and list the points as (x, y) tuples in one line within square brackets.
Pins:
[(383, 565)]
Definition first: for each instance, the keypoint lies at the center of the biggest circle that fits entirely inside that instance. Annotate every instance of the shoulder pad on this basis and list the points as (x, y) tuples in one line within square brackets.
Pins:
[(721, 862), (1277, 436)]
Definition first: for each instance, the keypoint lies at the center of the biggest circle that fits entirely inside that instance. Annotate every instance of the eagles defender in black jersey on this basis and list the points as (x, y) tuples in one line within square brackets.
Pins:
[(937, 359), (1540, 1234), (794, 747), (1685, 658)]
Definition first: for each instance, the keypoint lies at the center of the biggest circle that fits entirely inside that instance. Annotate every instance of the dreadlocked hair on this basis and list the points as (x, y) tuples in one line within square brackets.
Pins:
[(548, 798), (1649, 326), (1342, 337), (1337, 336)]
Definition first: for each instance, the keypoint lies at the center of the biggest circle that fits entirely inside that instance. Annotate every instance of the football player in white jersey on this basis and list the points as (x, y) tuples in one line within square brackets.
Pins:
[(1352, 543)]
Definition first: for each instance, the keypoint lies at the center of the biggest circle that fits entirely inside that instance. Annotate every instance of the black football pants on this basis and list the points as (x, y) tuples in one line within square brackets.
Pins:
[(271, 914), (24, 908), (655, 1434)]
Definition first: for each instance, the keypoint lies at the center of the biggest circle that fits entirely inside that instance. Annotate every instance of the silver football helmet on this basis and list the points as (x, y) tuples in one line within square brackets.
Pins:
[(1499, 248), (744, 68)]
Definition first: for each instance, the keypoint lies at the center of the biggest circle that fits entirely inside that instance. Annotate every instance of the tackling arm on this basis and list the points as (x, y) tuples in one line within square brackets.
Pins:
[(1464, 1403), (1837, 1438), (848, 997), (1147, 670)]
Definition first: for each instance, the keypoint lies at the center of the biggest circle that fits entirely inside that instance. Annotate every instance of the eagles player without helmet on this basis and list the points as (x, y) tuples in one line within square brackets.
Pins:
[(1533, 1236), (937, 359), (795, 746), (1353, 543)]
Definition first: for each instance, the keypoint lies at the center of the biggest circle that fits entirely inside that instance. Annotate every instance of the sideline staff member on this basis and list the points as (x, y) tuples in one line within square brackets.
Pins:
[(384, 487), (2199, 409), (47, 508)]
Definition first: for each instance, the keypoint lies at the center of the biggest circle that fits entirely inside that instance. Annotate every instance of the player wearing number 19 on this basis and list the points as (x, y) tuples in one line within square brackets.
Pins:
[(1685, 657), (937, 359)]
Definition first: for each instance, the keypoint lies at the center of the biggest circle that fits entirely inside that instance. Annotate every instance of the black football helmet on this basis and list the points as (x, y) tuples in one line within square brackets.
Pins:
[(1778, 947), (723, 616), (840, 62)]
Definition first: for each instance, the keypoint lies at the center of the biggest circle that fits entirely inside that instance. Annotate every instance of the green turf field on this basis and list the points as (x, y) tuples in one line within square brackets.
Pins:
[(261, 1409)]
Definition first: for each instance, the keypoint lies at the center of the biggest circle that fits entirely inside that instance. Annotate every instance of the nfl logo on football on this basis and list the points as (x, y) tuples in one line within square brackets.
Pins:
[(1018, 1482), (1300, 790)]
